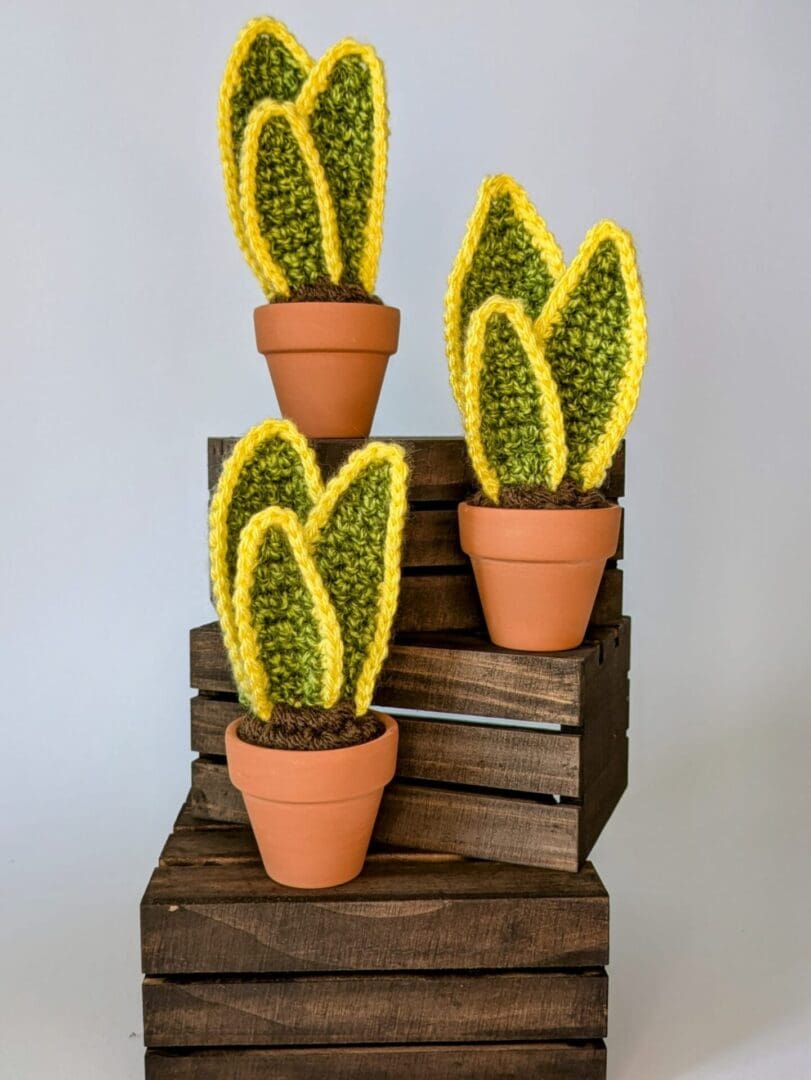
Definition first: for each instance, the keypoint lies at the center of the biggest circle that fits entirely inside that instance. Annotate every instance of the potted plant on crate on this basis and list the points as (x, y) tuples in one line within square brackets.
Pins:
[(304, 149), (545, 365), (305, 581)]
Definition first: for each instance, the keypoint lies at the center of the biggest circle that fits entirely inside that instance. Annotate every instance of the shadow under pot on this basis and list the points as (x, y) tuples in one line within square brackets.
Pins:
[(312, 811), (538, 571), (327, 362)]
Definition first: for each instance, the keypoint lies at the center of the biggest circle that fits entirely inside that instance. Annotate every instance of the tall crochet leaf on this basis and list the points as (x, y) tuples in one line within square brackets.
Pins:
[(272, 464), (265, 62), (344, 99), (356, 535), (288, 636), (513, 419), (593, 333), (507, 251), (285, 203)]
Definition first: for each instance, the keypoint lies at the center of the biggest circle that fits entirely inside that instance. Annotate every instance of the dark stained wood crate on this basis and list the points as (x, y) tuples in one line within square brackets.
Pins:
[(438, 592), (425, 965), (537, 795)]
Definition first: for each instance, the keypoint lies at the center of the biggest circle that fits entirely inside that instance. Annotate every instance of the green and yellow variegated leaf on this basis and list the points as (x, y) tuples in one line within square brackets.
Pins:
[(344, 100), (593, 333), (285, 203), (355, 534), (513, 419), (272, 465), (507, 251), (287, 633), (265, 62)]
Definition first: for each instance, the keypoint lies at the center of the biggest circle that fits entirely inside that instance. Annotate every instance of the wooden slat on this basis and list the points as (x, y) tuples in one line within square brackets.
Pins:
[(210, 908), (453, 674), (471, 1061), (516, 759), (439, 466), (376, 1009)]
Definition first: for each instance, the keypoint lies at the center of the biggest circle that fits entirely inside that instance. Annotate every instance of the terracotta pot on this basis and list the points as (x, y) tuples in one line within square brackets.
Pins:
[(327, 362), (538, 571), (312, 811)]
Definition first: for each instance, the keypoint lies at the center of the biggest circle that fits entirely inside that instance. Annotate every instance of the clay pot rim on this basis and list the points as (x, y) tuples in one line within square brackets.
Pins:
[(516, 511), (327, 326), (338, 752)]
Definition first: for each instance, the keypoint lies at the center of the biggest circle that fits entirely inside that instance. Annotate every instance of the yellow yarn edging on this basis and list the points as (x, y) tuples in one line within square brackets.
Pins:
[(358, 462), (548, 400), (330, 643), (243, 452), (306, 102), (545, 243), (230, 81), (599, 457), (271, 271)]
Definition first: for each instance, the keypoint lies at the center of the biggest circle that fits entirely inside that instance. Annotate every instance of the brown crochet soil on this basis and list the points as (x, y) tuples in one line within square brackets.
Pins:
[(327, 292), (529, 497), (310, 729)]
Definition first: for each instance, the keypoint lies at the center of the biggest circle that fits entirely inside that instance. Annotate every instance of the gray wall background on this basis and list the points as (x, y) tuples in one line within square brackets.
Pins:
[(127, 339)]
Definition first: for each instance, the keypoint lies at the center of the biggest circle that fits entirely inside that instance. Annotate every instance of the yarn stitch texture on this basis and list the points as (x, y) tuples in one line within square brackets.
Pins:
[(507, 250), (586, 359), (513, 419), (265, 62), (314, 212), (307, 615)]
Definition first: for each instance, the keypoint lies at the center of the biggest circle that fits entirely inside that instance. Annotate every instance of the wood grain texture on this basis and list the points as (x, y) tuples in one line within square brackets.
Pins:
[(515, 759), (210, 908), (439, 467), (453, 674), (332, 1010), (467, 1061)]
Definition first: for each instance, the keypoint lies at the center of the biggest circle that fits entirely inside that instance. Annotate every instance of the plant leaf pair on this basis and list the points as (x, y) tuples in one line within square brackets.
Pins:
[(531, 342), (306, 577), (304, 152)]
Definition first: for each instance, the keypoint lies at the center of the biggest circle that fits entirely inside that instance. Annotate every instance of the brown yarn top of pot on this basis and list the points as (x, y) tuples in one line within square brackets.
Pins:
[(325, 291), (532, 497), (310, 729)]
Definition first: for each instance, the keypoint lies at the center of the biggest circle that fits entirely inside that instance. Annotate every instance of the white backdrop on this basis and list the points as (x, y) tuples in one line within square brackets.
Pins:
[(127, 339)]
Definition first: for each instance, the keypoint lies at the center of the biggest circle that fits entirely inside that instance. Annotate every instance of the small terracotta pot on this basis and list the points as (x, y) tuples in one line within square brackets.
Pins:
[(538, 571), (327, 362), (312, 811)]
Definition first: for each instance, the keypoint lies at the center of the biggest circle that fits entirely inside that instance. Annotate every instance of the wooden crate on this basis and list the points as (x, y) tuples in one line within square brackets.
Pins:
[(537, 795), (429, 966), (438, 592)]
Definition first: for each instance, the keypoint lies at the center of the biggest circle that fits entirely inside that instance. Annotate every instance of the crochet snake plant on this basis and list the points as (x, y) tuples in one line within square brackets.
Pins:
[(306, 576), (545, 360), (303, 145)]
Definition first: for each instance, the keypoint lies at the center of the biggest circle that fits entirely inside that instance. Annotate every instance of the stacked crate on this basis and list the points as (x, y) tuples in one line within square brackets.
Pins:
[(434, 962)]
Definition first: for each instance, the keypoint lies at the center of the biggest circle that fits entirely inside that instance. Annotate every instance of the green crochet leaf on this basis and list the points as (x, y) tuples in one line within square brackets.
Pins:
[(287, 205), (287, 631), (269, 70), (505, 263), (273, 476), (588, 350), (349, 553), (342, 127), (513, 434)]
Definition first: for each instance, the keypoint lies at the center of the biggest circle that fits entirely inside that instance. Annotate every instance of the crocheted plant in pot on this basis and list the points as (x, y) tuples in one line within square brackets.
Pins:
[(545, 364), (305, 581), (304, 147)]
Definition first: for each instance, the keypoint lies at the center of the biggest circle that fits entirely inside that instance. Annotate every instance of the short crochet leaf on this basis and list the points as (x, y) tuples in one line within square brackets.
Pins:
[(356, 534), (344, 100), (285, 203), (513, 419), (265, 62), (272, 464), (287, 632), (507, 251), (593, 332)]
